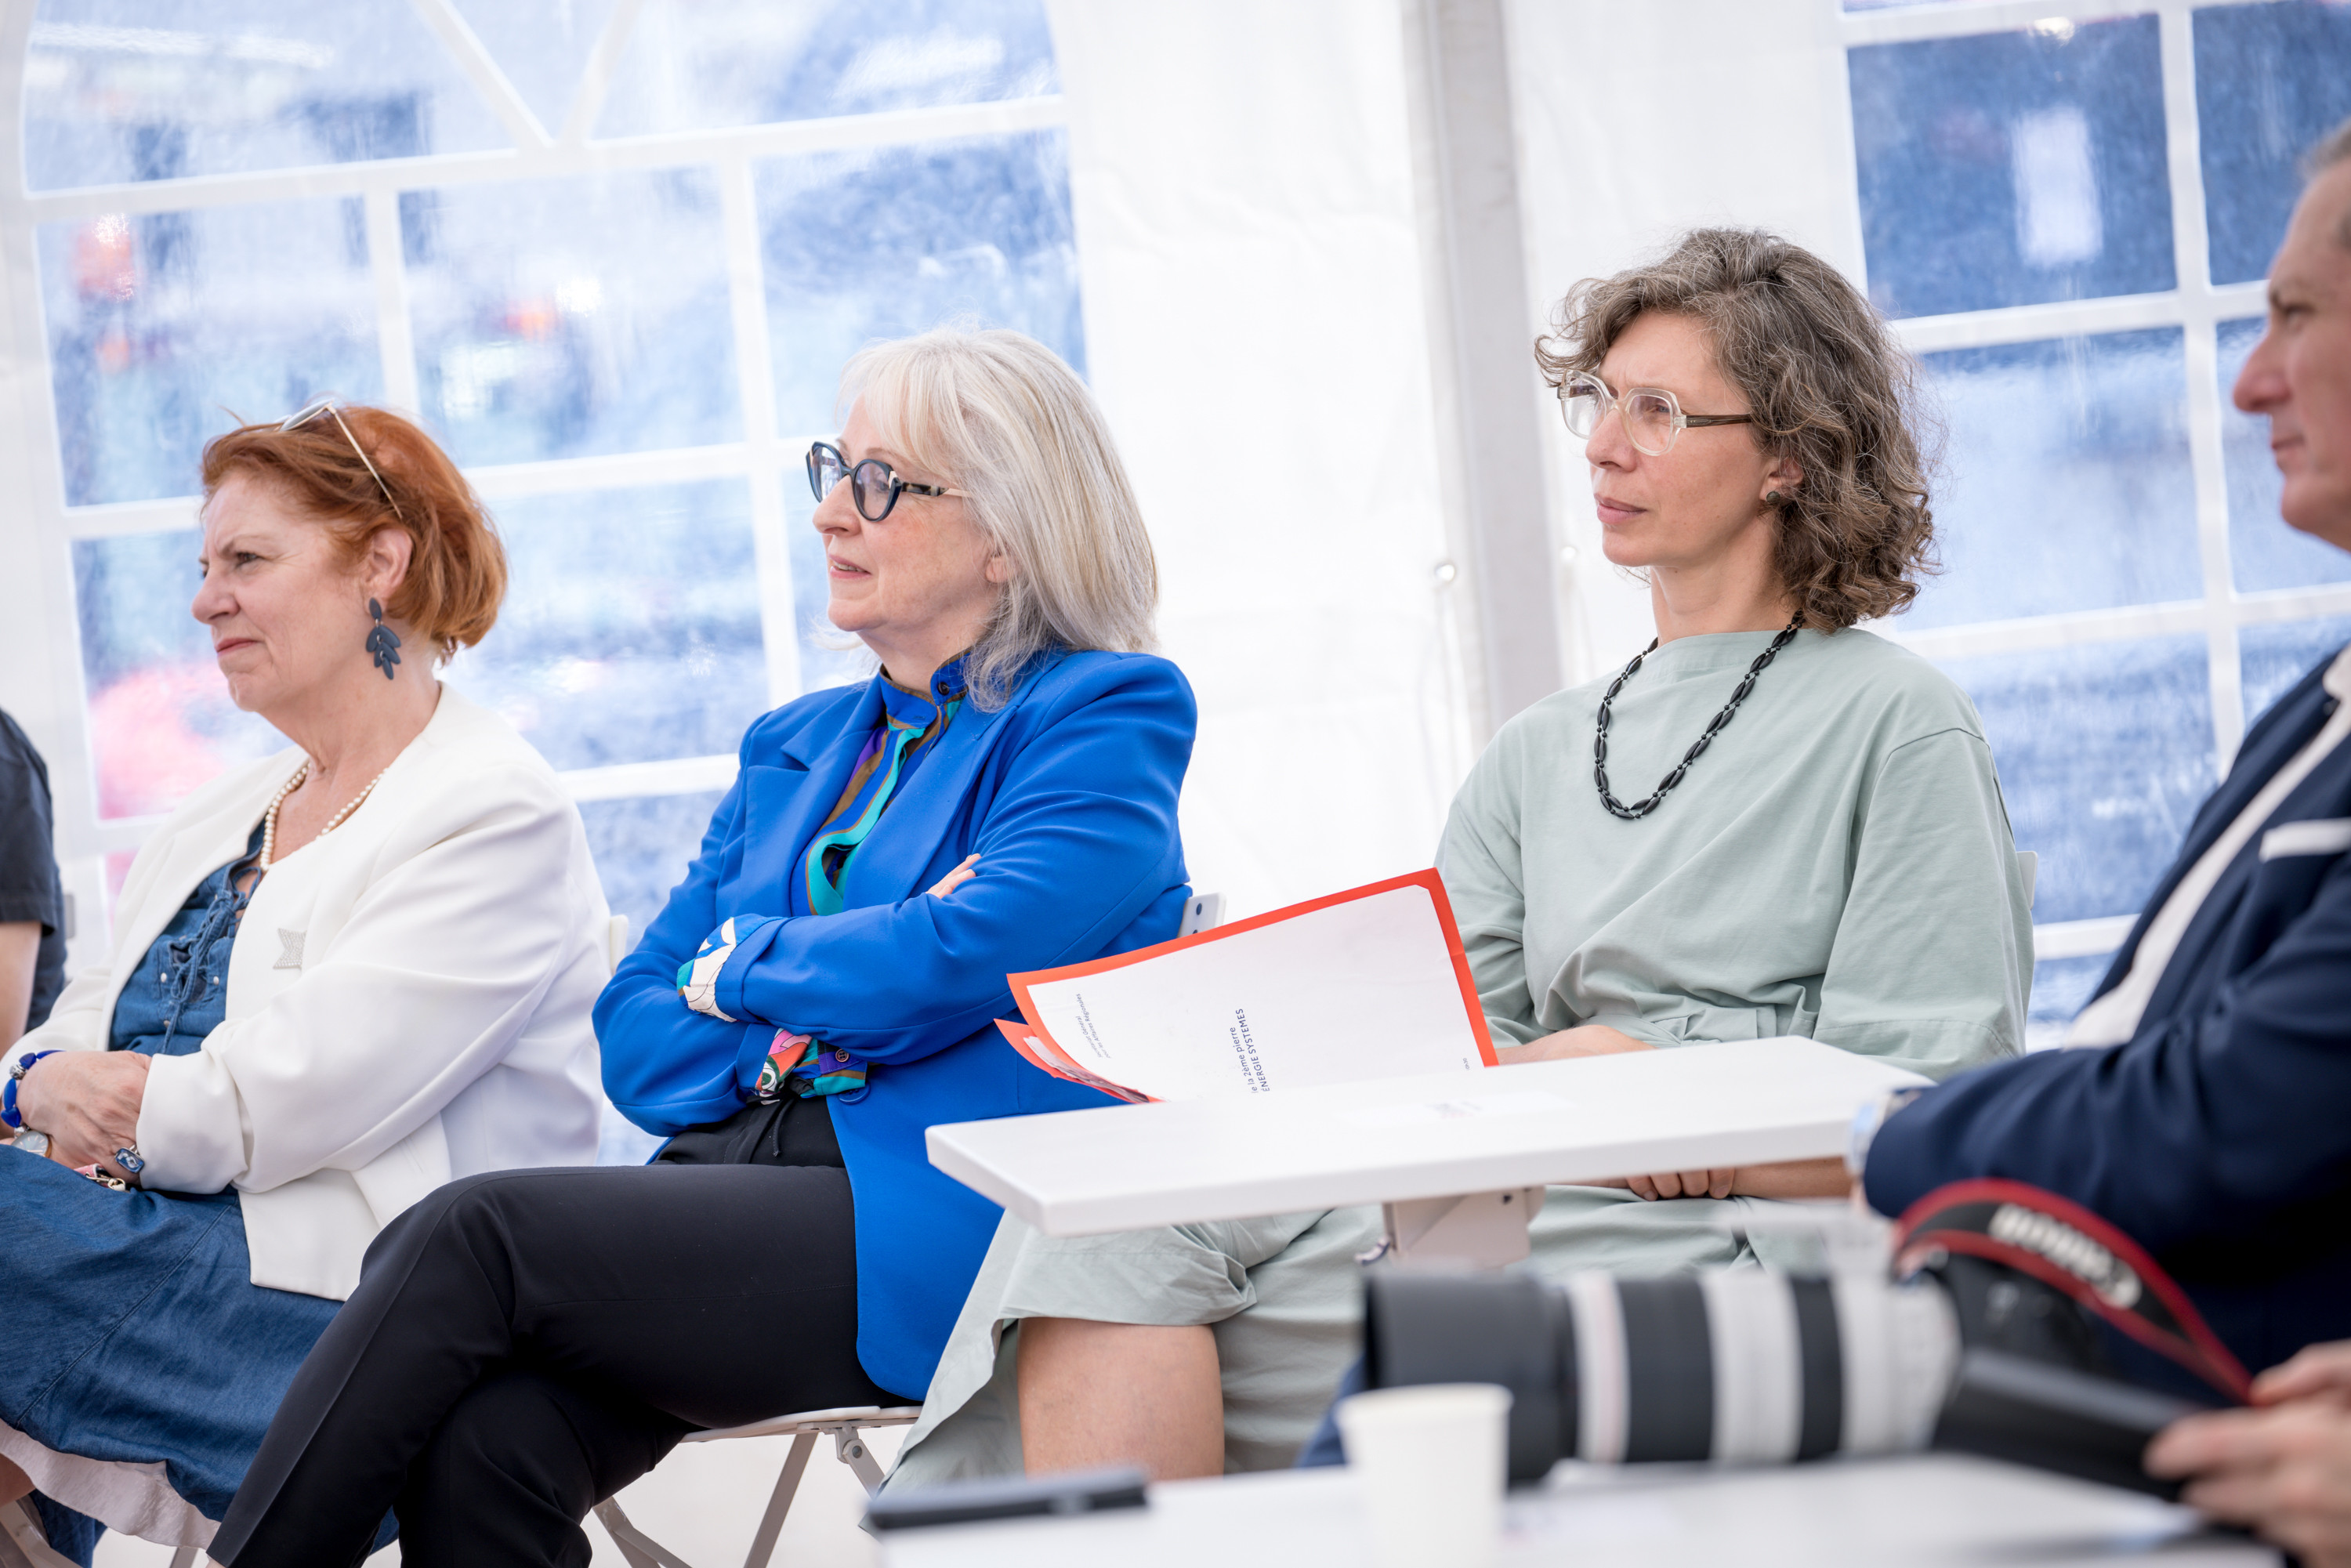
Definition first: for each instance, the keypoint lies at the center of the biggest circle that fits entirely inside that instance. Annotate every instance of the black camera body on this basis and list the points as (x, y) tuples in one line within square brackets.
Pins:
[(1747, 1365)]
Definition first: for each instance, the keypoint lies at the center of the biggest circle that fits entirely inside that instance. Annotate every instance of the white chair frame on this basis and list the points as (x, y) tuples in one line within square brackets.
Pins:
[(20, 1527), (846, 1427)]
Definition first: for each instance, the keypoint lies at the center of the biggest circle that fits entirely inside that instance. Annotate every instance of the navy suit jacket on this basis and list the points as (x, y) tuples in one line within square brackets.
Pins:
[(2219, 1136), (1068, 794)]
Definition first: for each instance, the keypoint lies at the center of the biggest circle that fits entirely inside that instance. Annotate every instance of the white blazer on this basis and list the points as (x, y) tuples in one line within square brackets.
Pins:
[(408, 998)]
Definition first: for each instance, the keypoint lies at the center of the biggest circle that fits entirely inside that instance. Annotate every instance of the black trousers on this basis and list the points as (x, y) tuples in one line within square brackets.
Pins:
[(523, 1345)]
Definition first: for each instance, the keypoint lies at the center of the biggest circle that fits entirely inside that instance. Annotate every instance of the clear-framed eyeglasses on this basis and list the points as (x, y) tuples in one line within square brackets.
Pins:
[(1653, 417), (326, 405), (872, 486)]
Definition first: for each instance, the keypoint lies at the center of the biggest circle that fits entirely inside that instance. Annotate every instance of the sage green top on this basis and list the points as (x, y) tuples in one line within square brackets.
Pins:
[(1838, 863)]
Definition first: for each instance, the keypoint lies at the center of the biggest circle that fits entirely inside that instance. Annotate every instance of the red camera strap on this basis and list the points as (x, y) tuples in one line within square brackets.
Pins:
[(2065, 1246)]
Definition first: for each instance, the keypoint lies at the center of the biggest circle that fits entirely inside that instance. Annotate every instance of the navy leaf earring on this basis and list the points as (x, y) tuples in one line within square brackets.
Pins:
[(382, 642)]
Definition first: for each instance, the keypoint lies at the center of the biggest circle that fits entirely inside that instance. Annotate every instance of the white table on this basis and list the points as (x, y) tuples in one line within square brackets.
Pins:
[(1920, 1512), (1458, 1158)]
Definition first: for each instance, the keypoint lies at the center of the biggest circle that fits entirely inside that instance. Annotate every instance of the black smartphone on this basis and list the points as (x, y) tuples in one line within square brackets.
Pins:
[(962, 1502)]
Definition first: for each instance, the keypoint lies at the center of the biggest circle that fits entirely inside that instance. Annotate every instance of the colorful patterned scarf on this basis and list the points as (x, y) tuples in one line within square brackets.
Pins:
[(910, 720)]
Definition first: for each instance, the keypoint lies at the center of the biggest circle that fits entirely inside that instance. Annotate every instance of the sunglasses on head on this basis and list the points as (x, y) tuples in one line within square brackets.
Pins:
[(326, 405)]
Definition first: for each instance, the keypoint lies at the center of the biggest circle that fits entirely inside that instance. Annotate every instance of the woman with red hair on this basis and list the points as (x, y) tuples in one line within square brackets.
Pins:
[(338, 978)]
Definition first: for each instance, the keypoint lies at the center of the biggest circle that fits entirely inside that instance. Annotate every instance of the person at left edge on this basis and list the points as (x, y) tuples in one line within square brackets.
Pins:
[(822, 987), (32, 903)]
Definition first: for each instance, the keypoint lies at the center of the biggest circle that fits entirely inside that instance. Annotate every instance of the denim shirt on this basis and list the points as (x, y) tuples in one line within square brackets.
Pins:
[(181, 990)]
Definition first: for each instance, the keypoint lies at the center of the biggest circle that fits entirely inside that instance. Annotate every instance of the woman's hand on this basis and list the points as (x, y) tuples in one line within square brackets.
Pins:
[(1599, 1039), (1682, 1184), (1586, 1039), (88, 1103), (1789, 1178), (955, 878), (1785, 1179), (2284, 1471)]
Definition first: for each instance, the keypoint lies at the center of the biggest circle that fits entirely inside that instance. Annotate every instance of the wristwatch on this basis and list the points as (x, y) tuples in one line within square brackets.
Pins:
[(1865, 1123), (9, 1115)]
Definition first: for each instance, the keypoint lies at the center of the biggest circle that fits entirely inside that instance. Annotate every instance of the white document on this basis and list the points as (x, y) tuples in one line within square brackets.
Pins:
[(1367, 984)]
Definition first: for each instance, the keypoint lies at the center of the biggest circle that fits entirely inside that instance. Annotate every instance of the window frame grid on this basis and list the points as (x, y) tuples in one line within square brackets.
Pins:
[(85, 839), (2197, 307)]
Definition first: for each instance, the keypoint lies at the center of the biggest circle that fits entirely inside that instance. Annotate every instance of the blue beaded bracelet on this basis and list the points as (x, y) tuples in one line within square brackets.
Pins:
[(8, 1112)]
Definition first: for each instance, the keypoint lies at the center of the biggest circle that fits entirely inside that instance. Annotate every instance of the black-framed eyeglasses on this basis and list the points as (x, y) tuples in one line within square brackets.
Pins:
[(1653, 417), (326, 405), (872, 486)]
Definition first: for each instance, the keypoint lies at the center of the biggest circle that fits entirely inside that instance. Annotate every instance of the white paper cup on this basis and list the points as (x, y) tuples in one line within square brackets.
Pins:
[(1431, 1460)]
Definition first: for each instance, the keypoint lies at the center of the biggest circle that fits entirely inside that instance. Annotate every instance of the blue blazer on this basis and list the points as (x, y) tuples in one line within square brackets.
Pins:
[(1068, 794), (2219, 1136)]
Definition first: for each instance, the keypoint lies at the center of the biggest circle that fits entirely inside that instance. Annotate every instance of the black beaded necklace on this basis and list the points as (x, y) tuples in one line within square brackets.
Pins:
[(1665, 786)]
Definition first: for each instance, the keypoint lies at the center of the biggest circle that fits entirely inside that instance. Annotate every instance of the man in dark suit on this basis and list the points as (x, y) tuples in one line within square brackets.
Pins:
[(2207, 1109)]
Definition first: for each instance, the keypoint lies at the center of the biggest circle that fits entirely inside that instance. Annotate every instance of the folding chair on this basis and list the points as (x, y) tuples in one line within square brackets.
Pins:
[(847, 1429), (21, 1541)]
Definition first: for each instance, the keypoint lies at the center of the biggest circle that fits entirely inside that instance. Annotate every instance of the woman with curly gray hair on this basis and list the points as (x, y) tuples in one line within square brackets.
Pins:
[(1819, 850)]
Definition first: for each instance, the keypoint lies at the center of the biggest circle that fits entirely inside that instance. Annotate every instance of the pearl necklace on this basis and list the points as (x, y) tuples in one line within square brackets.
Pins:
[(269, 818)]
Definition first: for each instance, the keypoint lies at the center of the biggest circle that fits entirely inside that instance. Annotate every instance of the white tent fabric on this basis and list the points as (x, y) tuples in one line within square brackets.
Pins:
[(1748, 127), (1244, 195)]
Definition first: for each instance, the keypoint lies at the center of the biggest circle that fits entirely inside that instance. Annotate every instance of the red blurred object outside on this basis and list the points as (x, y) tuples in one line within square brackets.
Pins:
[(534, 319), (162, 732), (106, 259)]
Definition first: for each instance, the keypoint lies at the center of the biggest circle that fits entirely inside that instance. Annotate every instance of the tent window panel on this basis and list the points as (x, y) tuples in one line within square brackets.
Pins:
[(859, 246), (166, 329), (572, 317), (161, 724), (2274, 657), (2066, 483), (643, 846), (2270, 82), (541, 48), (704, 65), (123, 90), (2105, 753), (631, 629), (2061, 987), (2014, 168)]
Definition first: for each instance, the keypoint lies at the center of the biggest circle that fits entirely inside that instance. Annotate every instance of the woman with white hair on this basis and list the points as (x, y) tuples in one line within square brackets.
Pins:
[(822, 987)]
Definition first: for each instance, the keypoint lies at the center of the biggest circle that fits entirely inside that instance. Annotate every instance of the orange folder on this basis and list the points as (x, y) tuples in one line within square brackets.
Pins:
[(1367, 983)]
